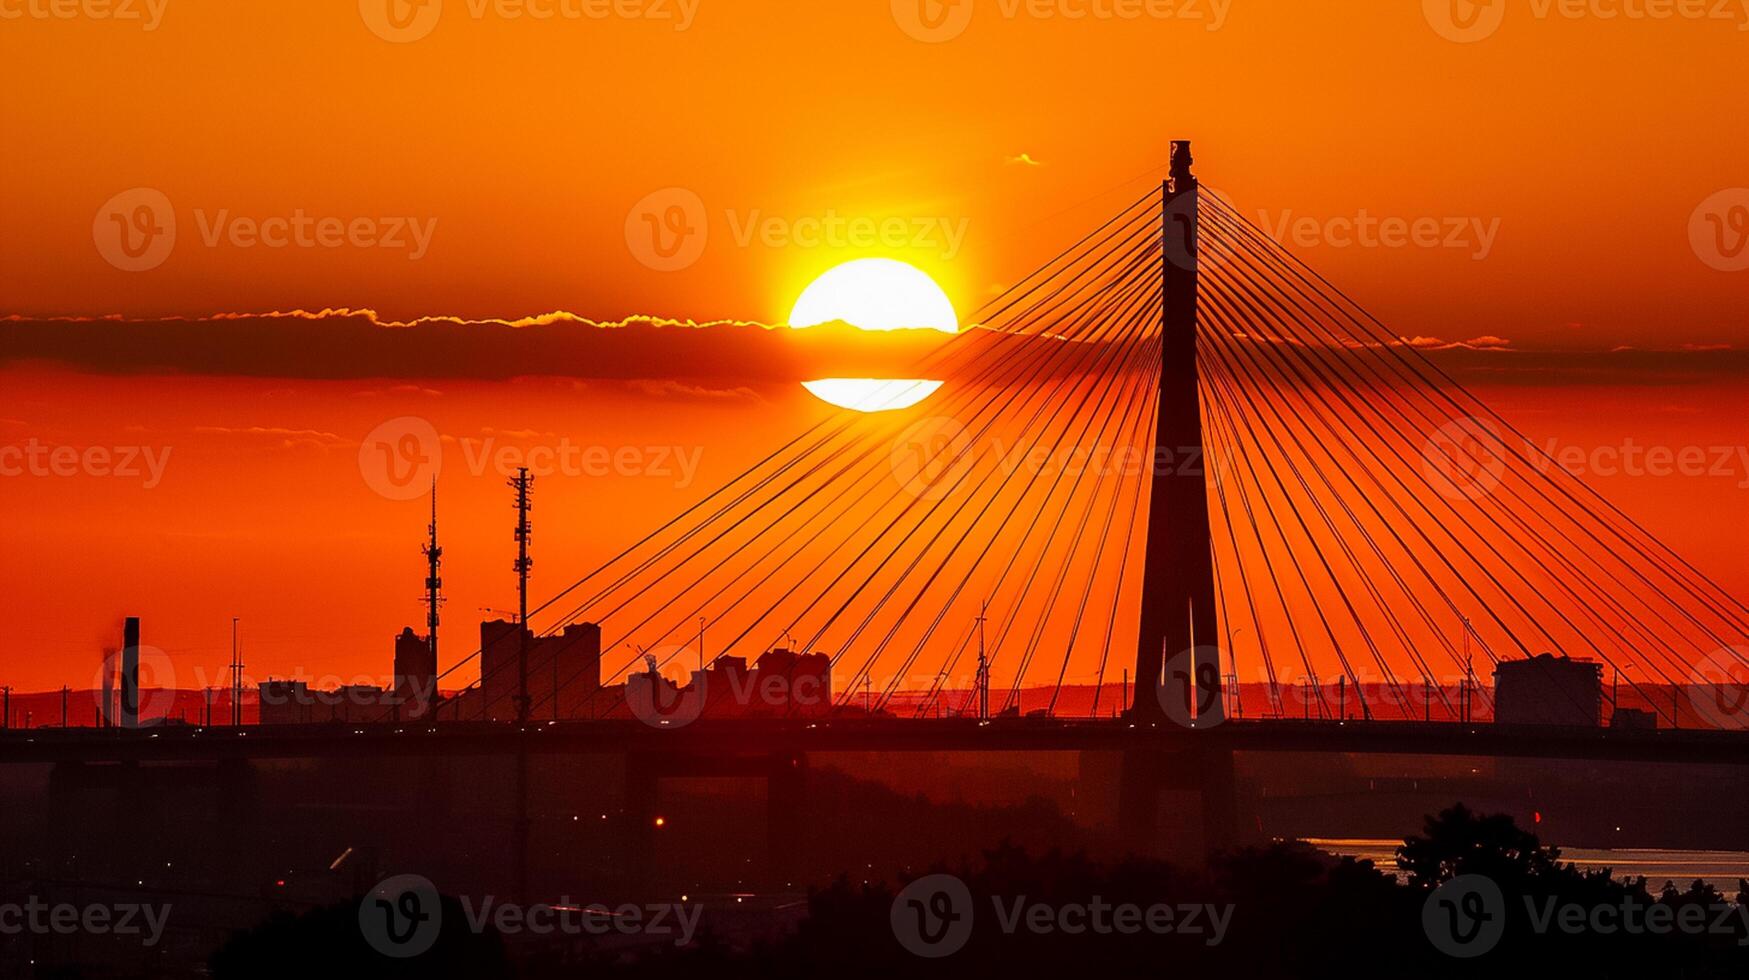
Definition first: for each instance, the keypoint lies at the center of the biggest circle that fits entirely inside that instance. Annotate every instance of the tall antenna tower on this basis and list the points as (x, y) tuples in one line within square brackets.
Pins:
[(433, 581), (523, 484)]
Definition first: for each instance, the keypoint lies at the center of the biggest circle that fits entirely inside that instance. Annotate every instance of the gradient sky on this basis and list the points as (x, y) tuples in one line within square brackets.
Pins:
[(1568, 162)]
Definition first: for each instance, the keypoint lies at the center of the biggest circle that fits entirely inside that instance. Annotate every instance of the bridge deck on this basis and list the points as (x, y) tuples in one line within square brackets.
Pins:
[(744, 738)]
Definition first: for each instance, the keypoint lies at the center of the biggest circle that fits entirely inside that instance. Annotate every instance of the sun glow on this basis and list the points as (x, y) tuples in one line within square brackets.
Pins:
[(874, 294)]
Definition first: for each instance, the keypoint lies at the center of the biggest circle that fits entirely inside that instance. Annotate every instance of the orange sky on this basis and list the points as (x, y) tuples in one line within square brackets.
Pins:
[(1570, 153)]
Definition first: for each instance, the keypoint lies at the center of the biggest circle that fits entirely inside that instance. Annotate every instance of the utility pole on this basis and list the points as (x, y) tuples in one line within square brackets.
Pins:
[(64, 692), (6, 701), (983, 681), (701, 643), (433, 599), (236, 675), (1469, 671), (207, 715)]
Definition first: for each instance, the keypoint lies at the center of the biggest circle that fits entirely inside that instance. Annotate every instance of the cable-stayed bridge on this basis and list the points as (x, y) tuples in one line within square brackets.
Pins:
[(1174, 458), (1173, 444)]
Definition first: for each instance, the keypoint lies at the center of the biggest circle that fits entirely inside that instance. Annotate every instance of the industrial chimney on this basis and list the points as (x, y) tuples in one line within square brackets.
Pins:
[(130, 673)]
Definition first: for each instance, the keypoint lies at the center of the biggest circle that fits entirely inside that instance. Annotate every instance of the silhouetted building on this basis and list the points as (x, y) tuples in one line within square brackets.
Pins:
[(1634, 719), (415, 674), (1548, 690), (287, 702), (780, 684), (568, 662)]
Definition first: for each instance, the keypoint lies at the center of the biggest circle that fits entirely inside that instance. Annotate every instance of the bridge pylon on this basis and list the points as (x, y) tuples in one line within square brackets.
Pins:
[(1177, 630)]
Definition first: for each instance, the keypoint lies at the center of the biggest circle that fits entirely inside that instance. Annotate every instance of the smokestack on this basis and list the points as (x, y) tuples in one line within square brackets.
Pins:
[(130, 673)]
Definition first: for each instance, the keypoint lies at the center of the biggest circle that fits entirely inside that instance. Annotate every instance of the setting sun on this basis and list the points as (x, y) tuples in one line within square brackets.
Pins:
[(874, 294)]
